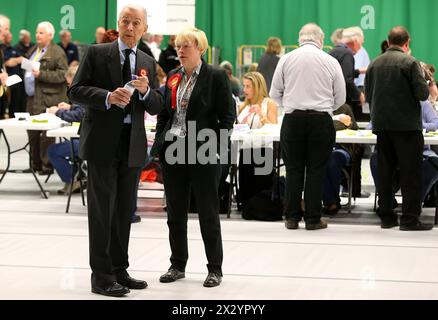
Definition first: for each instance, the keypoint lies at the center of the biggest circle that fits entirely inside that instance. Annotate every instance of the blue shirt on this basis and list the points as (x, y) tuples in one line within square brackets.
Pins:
[(71, 51), (29, 79), (8, 53), (361, 60), (133, 62)]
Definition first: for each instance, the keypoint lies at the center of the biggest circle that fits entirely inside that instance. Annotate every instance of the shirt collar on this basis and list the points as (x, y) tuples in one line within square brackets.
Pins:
[(395, 48), (123, 46), (43, 50), (196, 71), (309, 43)]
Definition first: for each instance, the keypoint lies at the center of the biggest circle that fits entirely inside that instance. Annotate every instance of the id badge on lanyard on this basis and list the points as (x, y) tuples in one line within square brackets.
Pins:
[(179, 128)]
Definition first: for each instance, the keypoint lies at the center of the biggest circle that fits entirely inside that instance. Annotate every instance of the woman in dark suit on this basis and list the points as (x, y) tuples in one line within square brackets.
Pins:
[(198, 97)]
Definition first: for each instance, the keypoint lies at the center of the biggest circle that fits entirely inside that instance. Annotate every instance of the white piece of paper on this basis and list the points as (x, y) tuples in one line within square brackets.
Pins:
[(366, 108), (30, 66), (14, 79), (130, 87)]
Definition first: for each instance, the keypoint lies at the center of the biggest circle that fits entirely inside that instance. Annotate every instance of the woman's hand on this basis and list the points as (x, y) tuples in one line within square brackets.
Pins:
[(255, 109)]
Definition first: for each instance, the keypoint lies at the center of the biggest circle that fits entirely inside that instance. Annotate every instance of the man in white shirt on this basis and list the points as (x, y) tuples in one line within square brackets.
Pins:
[(309, 84), (361, 59)]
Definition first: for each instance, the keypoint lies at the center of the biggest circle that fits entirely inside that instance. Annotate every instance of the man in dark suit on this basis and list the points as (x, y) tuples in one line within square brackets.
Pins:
[(113, 141), (143, 45)]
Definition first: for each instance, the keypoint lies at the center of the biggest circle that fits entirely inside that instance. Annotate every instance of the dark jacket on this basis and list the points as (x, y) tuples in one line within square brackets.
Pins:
[(23, 48), (75, 114), (211, 106), (99, 73), (352, 148), (394, 86), (169, 59), (145, 48), (346, 59), (267, 64), (50, 86)]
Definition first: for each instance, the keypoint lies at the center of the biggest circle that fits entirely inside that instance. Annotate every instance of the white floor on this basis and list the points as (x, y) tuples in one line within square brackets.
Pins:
[(44, 253)]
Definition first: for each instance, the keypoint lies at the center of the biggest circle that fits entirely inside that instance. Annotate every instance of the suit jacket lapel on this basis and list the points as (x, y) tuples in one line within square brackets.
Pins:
[(195, 98), (141, 64), (113, 64)]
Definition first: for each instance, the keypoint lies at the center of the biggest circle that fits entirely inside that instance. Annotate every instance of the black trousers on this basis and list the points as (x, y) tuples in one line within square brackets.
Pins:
[(18, 99), (307, 140), (111, 191), (204, 182), (404, 150)]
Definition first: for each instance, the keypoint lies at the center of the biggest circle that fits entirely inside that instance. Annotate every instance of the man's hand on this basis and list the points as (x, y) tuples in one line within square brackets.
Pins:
[(120, 96), (3, 78), (64, 106), (363, 70), (53, 110), (36, 73), (346, 120), (141, 84)]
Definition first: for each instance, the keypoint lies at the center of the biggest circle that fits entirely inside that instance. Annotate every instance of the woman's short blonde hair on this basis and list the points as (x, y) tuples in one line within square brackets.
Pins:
[(195, 36)]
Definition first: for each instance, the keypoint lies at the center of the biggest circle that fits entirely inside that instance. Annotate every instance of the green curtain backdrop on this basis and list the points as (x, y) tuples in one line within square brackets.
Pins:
[(231, 23), (26, 14)]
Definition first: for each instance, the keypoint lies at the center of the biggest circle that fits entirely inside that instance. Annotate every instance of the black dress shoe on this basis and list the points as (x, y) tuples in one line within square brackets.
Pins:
[(388, 224), (172, 275), (213, 280), (113, 289), (131, 283), (321, 224), (416, 226), (292, 224), (135, 219)]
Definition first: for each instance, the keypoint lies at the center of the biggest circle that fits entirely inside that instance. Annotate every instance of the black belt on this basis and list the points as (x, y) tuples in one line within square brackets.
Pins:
[(313, 112)]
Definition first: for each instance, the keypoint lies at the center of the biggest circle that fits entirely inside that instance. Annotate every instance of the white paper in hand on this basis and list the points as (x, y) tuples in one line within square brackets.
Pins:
[(26, 64), (130, 87), (14, 79), (30, 66)]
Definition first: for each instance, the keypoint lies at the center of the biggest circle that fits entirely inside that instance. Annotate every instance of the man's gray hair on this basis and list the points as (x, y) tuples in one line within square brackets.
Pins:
[(50, 29), (227, 66), (350, 35), (336, 37), (63, 32), (311, 32), (358, 31), (4, 19), (138, 8), (24, 32)]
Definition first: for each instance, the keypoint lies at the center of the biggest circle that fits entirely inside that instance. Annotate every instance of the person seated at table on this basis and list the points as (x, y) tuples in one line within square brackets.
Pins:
[(59, 154), (430, 158), (342, 156), (256, 111)]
